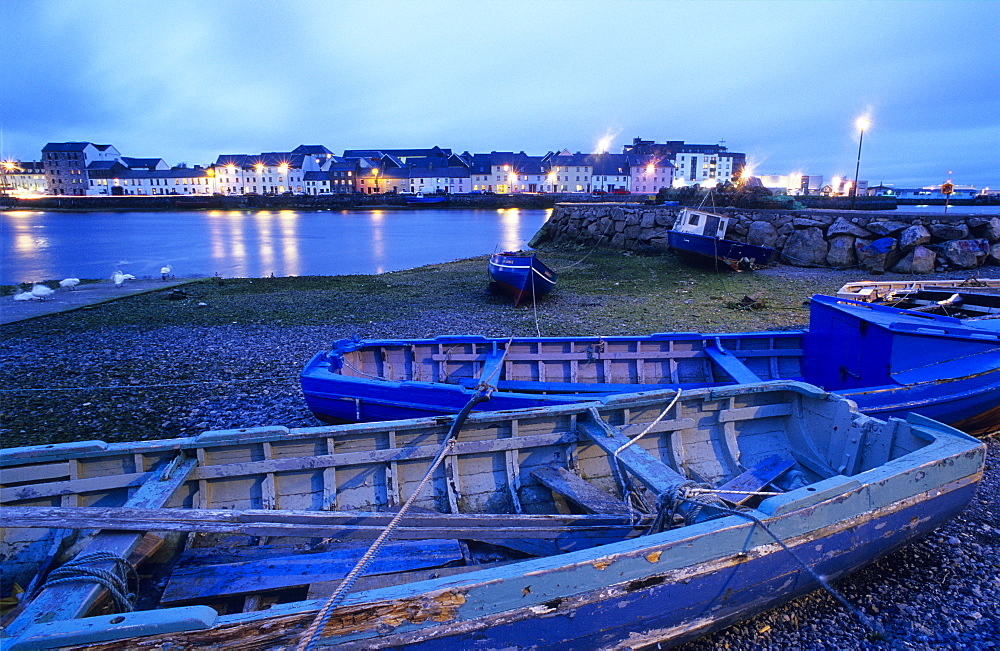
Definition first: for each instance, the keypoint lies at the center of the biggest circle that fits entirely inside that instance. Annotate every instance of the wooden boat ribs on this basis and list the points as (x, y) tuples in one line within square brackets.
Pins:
[(527, 516)]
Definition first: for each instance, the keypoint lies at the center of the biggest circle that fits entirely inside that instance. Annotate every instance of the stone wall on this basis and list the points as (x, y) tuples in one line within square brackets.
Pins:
[(901, 242)]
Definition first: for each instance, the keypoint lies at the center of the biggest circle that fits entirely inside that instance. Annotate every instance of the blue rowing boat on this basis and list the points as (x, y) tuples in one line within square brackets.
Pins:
[(520, 275), (889, 361), (697, 236), (629, 521)]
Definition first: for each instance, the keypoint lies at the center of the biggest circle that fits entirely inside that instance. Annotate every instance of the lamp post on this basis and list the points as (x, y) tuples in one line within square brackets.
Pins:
[(862, 123)]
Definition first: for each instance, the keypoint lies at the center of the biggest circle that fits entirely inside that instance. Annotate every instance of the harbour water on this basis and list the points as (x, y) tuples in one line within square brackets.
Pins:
[(40, 245)]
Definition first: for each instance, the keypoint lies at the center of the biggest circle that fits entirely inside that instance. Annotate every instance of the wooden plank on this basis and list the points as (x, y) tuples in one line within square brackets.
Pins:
[(731, 365), (208, 471), (653, 473), (69, 601), (755, 479), (344, 525), (190, 582), (529, 386), (578, 491), (323, 589), (755, 412), (492, 368)]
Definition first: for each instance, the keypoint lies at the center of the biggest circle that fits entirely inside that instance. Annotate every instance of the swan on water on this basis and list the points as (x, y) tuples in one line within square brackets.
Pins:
[(69, 283), (26, 296)]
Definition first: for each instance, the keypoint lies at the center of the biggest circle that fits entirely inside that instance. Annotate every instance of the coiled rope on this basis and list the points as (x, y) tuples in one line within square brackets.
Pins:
[(308, 638), (116, 581)]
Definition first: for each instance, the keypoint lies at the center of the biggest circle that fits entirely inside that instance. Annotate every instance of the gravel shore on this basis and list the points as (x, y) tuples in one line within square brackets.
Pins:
[(226, 353)]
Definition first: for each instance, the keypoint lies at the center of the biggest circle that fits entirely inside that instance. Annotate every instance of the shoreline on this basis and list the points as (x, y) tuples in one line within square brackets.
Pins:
[(228, 355)]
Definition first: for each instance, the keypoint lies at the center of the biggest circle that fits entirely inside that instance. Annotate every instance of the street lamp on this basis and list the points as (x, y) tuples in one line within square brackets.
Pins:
[(862, 123)]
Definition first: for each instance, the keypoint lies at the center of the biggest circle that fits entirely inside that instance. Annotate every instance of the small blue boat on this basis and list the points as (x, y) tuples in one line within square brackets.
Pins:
[(634, 520), (889, 361), (697, 236), (520, 275), (420, 199)]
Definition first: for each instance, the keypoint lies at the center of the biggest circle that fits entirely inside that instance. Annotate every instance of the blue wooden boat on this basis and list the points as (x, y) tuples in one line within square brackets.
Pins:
[(420, 200), (520, 275), (697, 236), (889, 361), (601, 524)]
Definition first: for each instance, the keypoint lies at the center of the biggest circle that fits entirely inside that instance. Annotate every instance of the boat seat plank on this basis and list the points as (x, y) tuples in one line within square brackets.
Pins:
[(578, 491), (69, 601), (731, 365), (492, 369), (653, 473), (754, 479), (189, 582)]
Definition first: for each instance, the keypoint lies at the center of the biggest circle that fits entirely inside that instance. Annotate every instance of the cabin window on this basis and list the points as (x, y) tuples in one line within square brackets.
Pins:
[(693, 220)]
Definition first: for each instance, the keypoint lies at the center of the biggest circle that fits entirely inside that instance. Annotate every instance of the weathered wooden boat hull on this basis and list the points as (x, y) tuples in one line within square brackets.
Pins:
[(863, 488), (891, 362), (520, 276), (716, 252), (879, 290)]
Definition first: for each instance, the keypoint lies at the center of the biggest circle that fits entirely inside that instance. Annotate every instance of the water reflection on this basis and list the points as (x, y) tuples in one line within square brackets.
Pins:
[(378, 240), (288, 220), (510, 228), (39, 245), (246, 245)]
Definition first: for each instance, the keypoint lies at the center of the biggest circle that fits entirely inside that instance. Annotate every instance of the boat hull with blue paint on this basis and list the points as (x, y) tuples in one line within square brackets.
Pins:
[(715, 252), (520, 275), (837, 488), (890, 361)]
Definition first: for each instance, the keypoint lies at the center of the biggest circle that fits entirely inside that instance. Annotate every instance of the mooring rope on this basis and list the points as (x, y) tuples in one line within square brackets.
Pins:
[(682, 495), (115, 581), (308, 638)]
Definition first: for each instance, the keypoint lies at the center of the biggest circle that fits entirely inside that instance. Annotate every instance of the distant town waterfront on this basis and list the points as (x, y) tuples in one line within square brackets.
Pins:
[(40, 245)]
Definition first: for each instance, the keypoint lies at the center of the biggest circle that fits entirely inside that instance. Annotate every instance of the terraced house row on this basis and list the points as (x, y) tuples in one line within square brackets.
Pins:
[(644, 167)]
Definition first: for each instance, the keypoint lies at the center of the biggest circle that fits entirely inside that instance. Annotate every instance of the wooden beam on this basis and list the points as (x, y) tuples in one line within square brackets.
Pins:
[(207, 581), (69, 601), (653, 473), (343, 525), (754, 479), (578, 491), (731, 365)]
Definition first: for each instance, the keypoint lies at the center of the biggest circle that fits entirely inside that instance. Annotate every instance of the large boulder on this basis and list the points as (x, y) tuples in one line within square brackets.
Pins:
[(949, 231), (843, 227), (876, 256), (986, 227), (966, 254), (914, 236), (994, 256), (886, 228), (841, 254), (805, 248), (918, 261), (762, 234)]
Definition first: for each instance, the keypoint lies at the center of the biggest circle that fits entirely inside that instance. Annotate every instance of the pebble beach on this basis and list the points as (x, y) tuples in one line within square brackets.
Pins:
[(226, 353)]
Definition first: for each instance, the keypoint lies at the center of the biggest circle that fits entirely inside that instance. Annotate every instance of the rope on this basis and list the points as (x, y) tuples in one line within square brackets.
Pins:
[(323, 617), (597, 244), (682, 495), (534, 301), (149, 386), (116, 581)]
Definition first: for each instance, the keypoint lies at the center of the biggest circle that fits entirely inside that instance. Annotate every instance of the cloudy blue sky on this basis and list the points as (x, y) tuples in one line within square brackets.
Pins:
[(188, 80)]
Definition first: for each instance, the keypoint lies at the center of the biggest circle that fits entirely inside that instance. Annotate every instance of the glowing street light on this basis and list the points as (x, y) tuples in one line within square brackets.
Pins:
[(861, 123)]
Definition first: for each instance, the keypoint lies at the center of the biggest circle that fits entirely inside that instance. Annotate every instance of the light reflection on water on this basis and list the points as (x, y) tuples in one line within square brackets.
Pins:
[(38, 245)]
